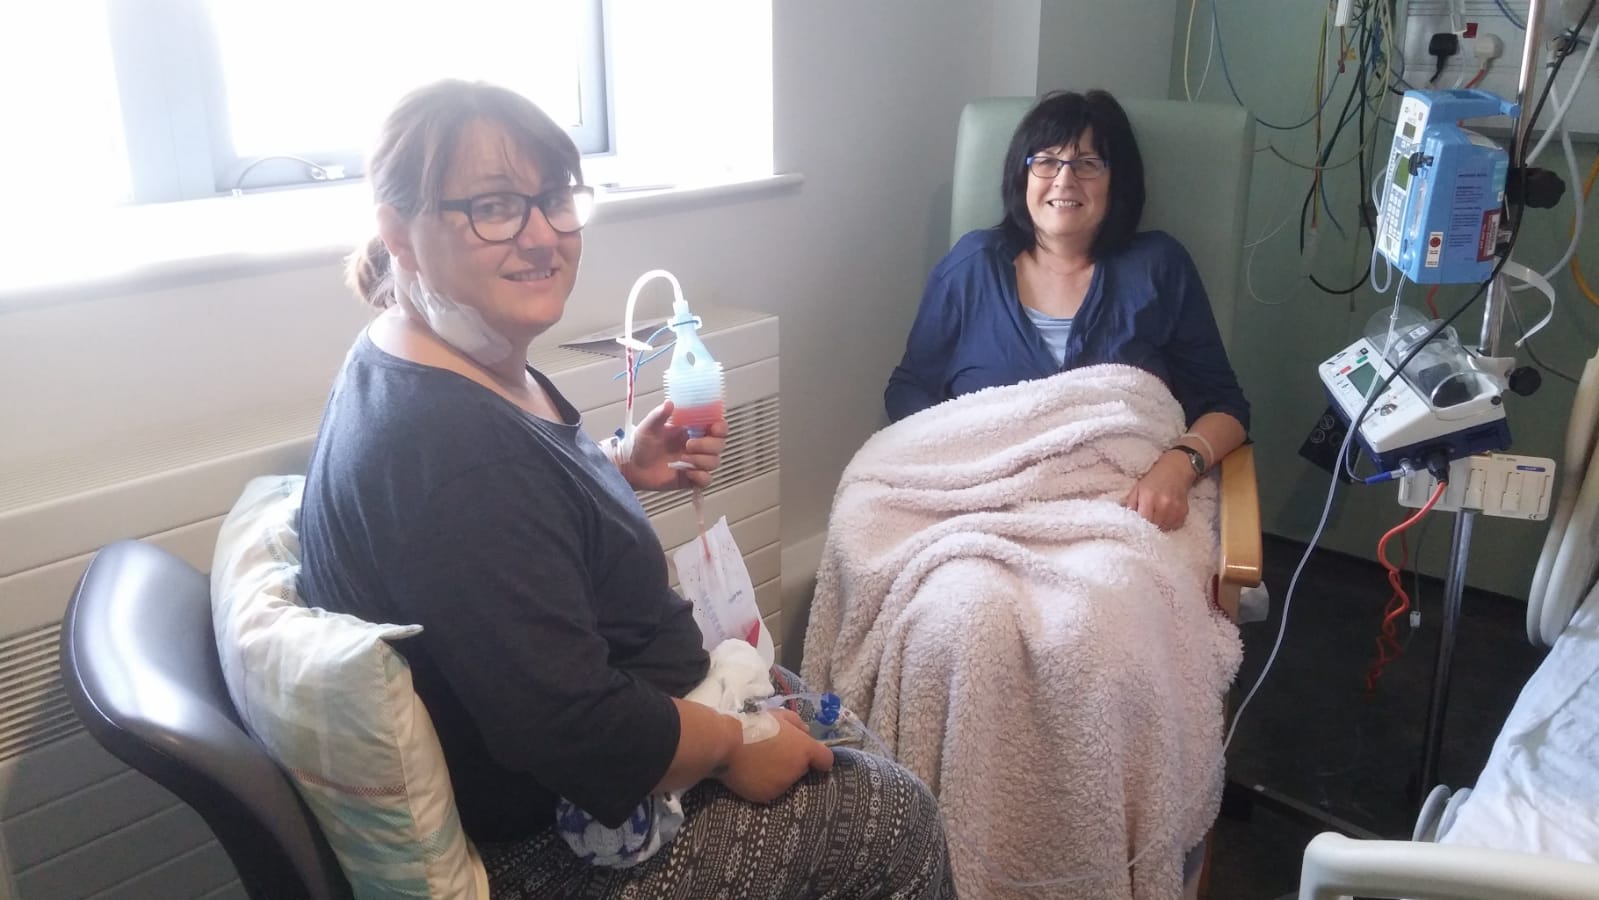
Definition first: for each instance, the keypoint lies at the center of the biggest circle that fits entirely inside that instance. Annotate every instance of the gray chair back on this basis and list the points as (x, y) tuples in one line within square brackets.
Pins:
[(139, 663)]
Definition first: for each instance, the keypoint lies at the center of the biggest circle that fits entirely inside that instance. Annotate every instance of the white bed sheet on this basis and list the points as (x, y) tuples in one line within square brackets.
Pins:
[(1539, 792)]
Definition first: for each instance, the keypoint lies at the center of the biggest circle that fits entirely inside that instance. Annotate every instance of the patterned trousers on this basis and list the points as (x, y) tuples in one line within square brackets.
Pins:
[(866, 829)]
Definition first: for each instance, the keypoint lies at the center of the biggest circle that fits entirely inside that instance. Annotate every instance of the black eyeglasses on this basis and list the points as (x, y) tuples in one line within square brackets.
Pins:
[(500, 217), (1087, 167)]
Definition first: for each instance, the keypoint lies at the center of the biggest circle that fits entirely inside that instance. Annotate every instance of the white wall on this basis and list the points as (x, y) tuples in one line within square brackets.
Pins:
[(1123, 46), (867, 96), (1013, 47)]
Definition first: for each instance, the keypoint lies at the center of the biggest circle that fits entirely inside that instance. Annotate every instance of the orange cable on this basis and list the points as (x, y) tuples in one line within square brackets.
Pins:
[(1388, 648), (1576, 268)]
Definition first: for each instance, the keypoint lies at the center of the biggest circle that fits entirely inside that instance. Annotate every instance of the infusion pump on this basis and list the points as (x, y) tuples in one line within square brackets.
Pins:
[(1446, 408)]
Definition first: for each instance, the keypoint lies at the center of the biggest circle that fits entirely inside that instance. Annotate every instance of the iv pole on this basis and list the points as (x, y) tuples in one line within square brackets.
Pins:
[(1488, 345)]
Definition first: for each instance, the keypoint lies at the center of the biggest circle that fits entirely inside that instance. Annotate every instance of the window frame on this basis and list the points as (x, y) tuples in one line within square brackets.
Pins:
[(167, 61)]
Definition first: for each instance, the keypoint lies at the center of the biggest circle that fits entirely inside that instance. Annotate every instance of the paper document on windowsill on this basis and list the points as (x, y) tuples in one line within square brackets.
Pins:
[(604, 341)]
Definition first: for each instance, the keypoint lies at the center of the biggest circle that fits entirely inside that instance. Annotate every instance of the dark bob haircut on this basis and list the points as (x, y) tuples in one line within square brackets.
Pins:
[(1060, 120)]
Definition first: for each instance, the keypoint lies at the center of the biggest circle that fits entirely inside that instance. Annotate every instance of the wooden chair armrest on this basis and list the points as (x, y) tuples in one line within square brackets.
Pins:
[(1241, 551)]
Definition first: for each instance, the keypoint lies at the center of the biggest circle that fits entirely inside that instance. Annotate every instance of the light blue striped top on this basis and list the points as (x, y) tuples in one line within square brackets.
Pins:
[(1054, 331)]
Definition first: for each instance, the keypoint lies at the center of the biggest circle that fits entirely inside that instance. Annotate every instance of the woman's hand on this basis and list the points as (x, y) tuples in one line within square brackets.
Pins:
[(1161, 496), (763, 771), (664, 458)]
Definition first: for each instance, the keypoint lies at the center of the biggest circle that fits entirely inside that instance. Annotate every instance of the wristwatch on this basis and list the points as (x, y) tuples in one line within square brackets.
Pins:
[(1196, 458)]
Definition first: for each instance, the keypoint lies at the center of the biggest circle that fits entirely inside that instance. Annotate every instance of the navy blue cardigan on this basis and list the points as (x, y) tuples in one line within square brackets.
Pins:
[(1145, 307)]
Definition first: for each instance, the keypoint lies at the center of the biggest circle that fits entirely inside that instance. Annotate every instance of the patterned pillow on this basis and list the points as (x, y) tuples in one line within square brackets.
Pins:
[(333, 704)]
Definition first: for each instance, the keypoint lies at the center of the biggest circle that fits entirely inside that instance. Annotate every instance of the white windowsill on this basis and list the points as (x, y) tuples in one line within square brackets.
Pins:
[(164, 245)]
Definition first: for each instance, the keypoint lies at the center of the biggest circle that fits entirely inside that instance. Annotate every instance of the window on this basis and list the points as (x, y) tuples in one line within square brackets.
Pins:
[(63, 145), (691, 87), (112, 107), (154, 100)]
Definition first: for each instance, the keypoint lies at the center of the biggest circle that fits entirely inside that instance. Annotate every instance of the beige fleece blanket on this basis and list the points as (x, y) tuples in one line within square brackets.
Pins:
[(1047, 661)]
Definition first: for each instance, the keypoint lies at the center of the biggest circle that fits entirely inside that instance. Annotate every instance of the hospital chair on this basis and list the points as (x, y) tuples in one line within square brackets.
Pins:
[(1197, 161), (139, 663)]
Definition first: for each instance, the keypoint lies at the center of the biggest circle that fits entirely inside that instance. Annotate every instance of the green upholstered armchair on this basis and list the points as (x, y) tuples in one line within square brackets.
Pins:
[(1197, 160)]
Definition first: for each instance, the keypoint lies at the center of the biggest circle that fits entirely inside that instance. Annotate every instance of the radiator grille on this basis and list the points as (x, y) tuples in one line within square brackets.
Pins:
[(33, 707), (173, 449), (550, 360)]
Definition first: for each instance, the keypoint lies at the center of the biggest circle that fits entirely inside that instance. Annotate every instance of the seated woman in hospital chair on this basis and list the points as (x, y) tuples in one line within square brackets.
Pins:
[(1013, 592), (453, 486), (1067, 280)]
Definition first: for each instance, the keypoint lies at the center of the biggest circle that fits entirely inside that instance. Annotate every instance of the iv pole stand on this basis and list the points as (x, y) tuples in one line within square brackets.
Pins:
[(1492, 323)]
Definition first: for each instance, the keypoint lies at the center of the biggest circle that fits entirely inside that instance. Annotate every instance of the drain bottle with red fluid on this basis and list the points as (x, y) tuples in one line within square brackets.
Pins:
[(693, 381)]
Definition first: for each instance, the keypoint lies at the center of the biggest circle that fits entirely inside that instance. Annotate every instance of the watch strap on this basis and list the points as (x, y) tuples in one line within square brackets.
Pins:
[(1195, 458)]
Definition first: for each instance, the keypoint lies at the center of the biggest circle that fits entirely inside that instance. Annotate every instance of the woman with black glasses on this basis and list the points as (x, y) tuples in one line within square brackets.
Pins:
[(453, 486), (1067, 280)]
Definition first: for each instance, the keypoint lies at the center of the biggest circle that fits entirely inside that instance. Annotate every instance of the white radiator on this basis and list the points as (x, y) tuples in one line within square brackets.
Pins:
[(74, 822)]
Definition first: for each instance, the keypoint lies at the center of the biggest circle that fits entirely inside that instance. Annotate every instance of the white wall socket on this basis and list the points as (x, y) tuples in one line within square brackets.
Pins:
[(1493, 484)]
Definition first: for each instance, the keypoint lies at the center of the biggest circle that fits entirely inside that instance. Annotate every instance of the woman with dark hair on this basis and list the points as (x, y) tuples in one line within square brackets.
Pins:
[(452, 486), (1067, 280)]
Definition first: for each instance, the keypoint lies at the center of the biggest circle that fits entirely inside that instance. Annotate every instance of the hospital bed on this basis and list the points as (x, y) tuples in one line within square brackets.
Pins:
[(1530, 827)]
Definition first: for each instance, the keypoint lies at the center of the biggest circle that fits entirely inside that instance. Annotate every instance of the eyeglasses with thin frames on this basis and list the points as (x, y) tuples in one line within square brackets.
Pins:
[(500, 217), (1085, 167)]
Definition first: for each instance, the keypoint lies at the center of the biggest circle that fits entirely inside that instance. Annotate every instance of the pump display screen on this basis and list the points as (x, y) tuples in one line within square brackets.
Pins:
[(1362, 378), (1402, 173)]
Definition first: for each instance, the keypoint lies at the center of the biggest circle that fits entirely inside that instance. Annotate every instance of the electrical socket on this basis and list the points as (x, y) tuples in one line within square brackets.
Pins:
[(1493, 484), (1418, 22), (1488, 47)]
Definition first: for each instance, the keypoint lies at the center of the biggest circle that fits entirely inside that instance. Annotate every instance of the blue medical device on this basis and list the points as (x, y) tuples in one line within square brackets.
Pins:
[(1439, 224), (1439, 221)]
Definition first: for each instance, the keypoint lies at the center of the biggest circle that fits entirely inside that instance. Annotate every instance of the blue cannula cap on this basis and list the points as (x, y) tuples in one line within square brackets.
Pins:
[(831, 705)]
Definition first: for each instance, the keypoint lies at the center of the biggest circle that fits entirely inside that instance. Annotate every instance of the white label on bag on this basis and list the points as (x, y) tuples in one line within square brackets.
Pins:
[(719, 588)]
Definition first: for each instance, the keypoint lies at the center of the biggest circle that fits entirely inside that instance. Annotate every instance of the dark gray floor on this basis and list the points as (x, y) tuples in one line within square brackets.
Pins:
[(1314, 734)]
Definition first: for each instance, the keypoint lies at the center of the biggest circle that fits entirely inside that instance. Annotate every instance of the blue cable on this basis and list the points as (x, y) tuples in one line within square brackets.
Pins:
[(643, 358), (1509, 15), (1221, 51)]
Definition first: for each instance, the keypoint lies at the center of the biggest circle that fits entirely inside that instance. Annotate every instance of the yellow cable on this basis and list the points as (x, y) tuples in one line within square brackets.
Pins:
[(1309, 167), (1188, 41), (1576, 268)]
